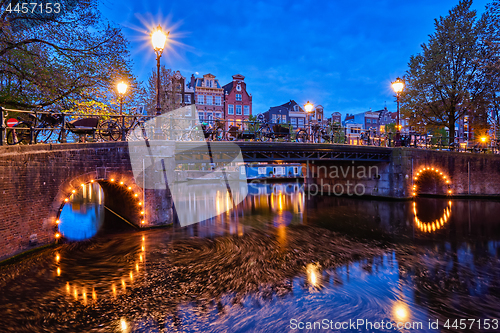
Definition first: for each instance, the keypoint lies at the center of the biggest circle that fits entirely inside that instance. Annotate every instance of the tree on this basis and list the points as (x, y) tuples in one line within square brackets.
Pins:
[(59, 60), (168, 102), (457, 71)]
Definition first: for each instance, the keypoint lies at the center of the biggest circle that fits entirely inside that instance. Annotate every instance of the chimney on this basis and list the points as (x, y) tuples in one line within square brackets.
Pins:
[(193, 79)]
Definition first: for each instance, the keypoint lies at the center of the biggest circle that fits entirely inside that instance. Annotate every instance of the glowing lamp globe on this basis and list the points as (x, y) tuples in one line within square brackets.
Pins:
[(158, 38), (308, 107), (122, 87), (398, 85)]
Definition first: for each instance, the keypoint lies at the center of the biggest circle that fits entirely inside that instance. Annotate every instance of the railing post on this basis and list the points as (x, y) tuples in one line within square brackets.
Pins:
[(32, 130), (63, 128), (2, 127)]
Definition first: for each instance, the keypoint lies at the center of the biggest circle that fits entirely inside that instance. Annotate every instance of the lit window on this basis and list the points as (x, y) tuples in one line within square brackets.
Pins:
[(293, 120), (230, 109), (274, 118), (238, 109), (301, 121), (209, 100), (246, 110), (200, 99), (217, 100), (238, 97)]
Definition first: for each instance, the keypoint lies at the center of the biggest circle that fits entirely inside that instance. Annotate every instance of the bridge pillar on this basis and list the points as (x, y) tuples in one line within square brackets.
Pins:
[(153, 165)]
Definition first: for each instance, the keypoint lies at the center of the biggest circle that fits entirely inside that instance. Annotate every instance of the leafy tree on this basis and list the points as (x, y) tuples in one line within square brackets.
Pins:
[(457, 71), (59, 60)]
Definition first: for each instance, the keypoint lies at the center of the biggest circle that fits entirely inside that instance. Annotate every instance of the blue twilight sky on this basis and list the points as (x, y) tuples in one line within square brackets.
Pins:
[(340, 54)]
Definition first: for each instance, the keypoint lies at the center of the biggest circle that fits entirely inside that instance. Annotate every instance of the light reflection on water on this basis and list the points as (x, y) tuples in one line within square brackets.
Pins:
[(83, 216), (400, 272)]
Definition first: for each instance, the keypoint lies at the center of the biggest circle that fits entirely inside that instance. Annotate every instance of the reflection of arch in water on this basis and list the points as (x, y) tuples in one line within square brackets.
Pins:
[(131, 190), (84, 293), (432, 171), (435, 225)]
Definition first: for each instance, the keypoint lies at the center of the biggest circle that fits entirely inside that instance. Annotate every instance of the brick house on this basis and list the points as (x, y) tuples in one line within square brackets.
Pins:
[(237, 101), (209, 97)]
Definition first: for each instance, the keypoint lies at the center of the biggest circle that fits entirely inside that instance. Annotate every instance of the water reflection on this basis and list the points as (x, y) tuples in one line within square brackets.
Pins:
[(83, 215), (277, 256)]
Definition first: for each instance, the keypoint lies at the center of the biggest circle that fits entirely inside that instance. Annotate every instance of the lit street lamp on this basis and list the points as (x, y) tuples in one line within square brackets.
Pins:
[(309, 107), (398, 87), (122, 89), (158, 38)]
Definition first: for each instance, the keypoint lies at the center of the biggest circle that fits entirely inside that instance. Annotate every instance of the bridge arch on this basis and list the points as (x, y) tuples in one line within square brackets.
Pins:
[(433, 225), (426, 177), (128, 197)]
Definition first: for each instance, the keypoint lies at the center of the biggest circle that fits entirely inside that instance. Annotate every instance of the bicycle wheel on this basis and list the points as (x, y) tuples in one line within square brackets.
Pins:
[(109, 130), (219, 134), (19, 134), (301, 136), (171, 132), (195, 134), (232, 135), (43, 135), (264, 134)]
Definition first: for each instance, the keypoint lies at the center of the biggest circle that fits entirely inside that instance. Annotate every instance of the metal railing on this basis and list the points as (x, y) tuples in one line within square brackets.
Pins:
[(32, 127)]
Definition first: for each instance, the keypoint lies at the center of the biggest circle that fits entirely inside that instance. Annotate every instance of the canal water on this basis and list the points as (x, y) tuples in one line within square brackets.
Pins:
[(280, 261)]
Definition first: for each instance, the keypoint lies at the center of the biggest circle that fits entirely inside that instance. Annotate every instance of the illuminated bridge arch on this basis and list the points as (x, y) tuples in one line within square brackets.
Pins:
[(433, 225), (423, 172), (119, 184)]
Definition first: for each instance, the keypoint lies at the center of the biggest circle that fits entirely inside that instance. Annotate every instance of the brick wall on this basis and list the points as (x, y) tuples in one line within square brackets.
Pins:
[(35, 180)]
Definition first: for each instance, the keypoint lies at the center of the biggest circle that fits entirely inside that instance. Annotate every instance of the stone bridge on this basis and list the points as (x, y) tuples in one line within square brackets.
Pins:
[(37, 180)]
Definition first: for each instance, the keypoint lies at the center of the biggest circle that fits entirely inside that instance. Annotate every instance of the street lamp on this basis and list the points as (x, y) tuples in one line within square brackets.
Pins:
[(158, 38), (309, 108), (398, 87), (122, 89)]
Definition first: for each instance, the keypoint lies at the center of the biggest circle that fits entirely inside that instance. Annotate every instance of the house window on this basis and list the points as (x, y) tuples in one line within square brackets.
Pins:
[(210, 118), (246, 110), (217, 115), (295, 170), (200, 99), (274, 118), (284, 118), (293, 121), (238, 97), (201, 116), (238, 109), (301, 121), (217, 100), (230, 109), (187, 99), (209, 83), (296, 108), (368, 121), (209, 100), (262, 170)]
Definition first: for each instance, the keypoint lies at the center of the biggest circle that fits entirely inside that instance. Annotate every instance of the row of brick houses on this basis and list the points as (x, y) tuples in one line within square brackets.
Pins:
[(231, 102)]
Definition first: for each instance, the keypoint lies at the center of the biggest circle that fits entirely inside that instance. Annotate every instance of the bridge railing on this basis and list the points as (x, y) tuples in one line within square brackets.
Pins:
[(32, 127)]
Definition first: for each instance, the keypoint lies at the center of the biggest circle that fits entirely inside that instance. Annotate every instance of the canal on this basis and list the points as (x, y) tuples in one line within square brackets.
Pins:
[(280, 261)]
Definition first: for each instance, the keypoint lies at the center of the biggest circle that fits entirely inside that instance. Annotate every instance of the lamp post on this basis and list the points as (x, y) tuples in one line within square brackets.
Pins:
[(309, 108), (158, 38), (398, 87), (122, 89)]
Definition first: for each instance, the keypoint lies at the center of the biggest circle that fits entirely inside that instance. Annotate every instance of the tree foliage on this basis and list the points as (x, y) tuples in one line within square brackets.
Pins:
[(457, 71), (60, 61)]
